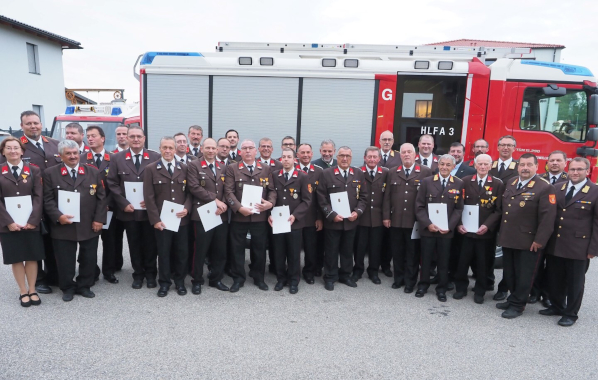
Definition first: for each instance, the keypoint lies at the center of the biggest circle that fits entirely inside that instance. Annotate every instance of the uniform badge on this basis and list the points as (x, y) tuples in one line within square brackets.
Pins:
[(309, 188), (494, 164), (222, 178), (531, 184), (184, 184), (552, 198), (383, 187), (512, 165), (564, 186), (92, 191), (203, 183), (585, 189), (240, 185), (522, 204), (358, 188)]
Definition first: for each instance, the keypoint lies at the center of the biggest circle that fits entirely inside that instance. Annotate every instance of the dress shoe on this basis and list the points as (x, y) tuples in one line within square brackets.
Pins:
[(137, 284), (546, 302), (318, 273), (566, 321), (35, 302), (387, 272), (396, 285), (25, 304), (196, 288), (220, 286), (420, 293), (450, 286), (310, 280), (111, 279), (441, 297), (349, 282), (279, 286), (85, 293), (329, 286), (375, 280), (67, 297), (43, 289), (499, 296), (459, 295), (550, 311), (511, 313), (163, 291), (532, 299), (293, 289), (356, 277), (408, 289), (261, 285), (502, 305), (152, 284), (478, 299), (181, 290), (236, 286)]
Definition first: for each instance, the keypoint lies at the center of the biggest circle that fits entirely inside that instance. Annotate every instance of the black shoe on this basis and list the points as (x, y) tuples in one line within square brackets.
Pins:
[(261, 285), (310, 280), (459, 295), (220, 286), (511, 313), (85, 293), (549, 312), (396, 285), (152, 284), (43, 289), (349, 282), (478, 299), (236, 286), (566, 321), (67, 297), (181, 290), (408, 289), (546, 302), (441, 297), (137, 284), (34, 302), (293, 289), (25, 304), (499, 296), (356, 277), (502, 305), (318, 273), (279, 286), (111, 279), (450, 286), (96, 279), (387, 272), (163, 291), (329, 286), (196, 288), (375, 279), (532, 299), (420, 293)]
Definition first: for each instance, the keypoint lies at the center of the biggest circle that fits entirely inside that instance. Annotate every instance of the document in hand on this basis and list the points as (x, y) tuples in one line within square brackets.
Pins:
[(437, 212), (252, 195), (168, 215), (69, 204), (134, 194), (471, 218), (340, 204), (280, 220), (415, 232), (207, 214), (108, 220), (19, 208)]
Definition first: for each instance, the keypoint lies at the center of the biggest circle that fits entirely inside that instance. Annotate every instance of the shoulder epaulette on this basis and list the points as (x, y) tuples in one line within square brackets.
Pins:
[(544, 179)]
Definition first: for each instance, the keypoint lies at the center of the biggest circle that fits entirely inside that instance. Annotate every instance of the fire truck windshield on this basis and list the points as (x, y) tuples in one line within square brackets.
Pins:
[(109, 128), (565, 117)]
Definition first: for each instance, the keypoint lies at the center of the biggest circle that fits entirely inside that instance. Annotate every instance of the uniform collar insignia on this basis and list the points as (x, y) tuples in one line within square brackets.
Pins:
[(474, 178), (336, 171), (63, 171), (379, 169), (24, 140), (81, 169), (435, 159), (531, 184), (5, 169), (392, 153), (515, 181), (435, 177), (90, 156), (258, 165), (145, 155), (128, 155), (295, 173), (585, 189), (241, 165), (399, 168), (281, 171), (106, 157), (564, 186), (44, 139), (512, 165), (494, 164), (204, 164), (489, 178), (417, 169), (451, 179), (351, 171), (26, 170)]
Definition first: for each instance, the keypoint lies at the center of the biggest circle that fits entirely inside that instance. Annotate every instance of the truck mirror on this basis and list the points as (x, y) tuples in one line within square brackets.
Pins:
[(592, 112), (553, 91), (592, 135)]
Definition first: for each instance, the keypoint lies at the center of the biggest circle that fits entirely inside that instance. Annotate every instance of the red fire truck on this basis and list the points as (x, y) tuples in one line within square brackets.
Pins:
[(352, 93)]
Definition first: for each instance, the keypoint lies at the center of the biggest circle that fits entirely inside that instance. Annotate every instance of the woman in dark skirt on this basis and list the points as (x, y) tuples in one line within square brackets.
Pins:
[(22, 245)]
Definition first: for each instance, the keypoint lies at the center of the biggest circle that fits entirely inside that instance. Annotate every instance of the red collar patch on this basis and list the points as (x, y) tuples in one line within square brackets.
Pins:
[(417, 169), (24, 140), (106, 157), (5, 169), (63, 171), (489, 178), (90, 156), (295, 174), (44, 139), (26, 170), (145, 155), (128, 155), (336, 171), (204, 164), (399, 168), (81, 169), (258, 165)]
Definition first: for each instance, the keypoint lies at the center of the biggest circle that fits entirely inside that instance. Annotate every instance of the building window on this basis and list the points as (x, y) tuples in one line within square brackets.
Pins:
[(33, 58), (38, 110), (423, 108)]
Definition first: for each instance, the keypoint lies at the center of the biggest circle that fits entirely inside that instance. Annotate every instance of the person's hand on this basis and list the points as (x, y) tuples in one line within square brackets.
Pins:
[(590, 256), (65, 219), (386, 223), (96, 226), (129, 208), (433, 228), (482, 230), (30, 227), (461, 230), (292, 219), (319, 225), (245, 211), (221, 207), (338, 218), (142, 204), (264, 206), (353, 216), (14, 227), (270, 221), (444, 232), (160, 226), (182, 214), (535, 246)]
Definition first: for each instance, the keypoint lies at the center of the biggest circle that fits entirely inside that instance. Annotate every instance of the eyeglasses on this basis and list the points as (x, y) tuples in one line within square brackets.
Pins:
[(343, 156), (577, 170), (506, 145), (386, 140), (266, 146)]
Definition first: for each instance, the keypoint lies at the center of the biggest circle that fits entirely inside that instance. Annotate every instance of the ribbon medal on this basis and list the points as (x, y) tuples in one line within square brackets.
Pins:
[(92, 191)]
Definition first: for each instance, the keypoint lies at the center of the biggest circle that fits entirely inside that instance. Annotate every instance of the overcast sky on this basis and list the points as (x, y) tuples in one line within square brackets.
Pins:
[(114, 33)]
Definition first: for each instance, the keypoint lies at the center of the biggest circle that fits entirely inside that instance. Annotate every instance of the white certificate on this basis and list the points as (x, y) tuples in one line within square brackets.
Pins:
[(69, 204), (19, 208), (252, 196), (340, 204), (108, 219), (437, 212), (280, 220), (415, 232), (471, 218), (168, 215), (134, 194), (207, 214)]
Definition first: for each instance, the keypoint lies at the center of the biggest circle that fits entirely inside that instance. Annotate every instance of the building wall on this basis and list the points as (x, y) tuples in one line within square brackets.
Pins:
[(547, 55), (19, 89)]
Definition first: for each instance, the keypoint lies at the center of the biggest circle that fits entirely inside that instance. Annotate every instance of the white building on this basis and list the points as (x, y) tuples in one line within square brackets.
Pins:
[(31, 72)]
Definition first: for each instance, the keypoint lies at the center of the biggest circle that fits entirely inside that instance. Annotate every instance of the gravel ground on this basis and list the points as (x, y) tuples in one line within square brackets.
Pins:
[(369, 332)]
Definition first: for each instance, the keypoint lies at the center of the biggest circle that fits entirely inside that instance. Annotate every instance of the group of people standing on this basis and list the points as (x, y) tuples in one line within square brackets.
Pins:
[(545, 224)]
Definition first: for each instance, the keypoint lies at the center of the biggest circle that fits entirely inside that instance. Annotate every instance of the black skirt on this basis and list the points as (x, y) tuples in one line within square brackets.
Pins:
[(22, 246)]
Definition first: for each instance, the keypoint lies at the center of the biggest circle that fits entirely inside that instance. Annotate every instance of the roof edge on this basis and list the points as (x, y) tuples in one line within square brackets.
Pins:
[(65, 43)]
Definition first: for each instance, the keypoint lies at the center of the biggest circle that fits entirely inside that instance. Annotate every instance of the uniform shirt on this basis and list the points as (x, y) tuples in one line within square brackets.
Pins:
[(181, 159), (523, 183), (430, 160), (193, 152), (119, 149), (19, 167), (553, 178), (102, 153), (76, 169), (578, 187), (454, 171), (483, 179), (507, 163), (34, 142)]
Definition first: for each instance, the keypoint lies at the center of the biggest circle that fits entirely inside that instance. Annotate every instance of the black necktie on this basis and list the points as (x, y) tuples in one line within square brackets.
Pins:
[(183, 160), (195, 152), (234, 155), (211, 166), (39, 146), (14, 172), (519, 186), (406, 172), (502, 168), (345, 175), (553, 179), (443, 183), (305, 169), (137, 163), (384, 159), (98, 160), (372, 174), (250, 167), (481, 184), (570, 194), (286, 177), (426, 161), (73, 175), (170, 168)]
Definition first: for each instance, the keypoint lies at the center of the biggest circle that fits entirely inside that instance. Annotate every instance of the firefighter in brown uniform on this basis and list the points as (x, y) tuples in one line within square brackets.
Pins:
[(370, 230), (398, 214), (89, 183), (248, 172), (340, 231), (129, 166), (166, 180), (313, 223), (529, 210), (293, 190), (205, 178), (573, 242), (486, 192), (425, 156), (442, 188)]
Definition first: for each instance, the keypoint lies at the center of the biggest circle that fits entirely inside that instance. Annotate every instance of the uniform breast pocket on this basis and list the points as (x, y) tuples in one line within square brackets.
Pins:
[(123, 174), (160, 186), (582, 207), (57, 159)]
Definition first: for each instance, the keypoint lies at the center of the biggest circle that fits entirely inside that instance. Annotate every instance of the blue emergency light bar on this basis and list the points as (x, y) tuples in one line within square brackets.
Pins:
[(116, 111), (566, 69), (148, 57), (69, 110)]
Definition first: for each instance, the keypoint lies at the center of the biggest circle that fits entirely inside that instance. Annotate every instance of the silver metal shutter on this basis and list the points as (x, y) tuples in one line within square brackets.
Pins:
[(256, 107), (174, 103), (338, 109)]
